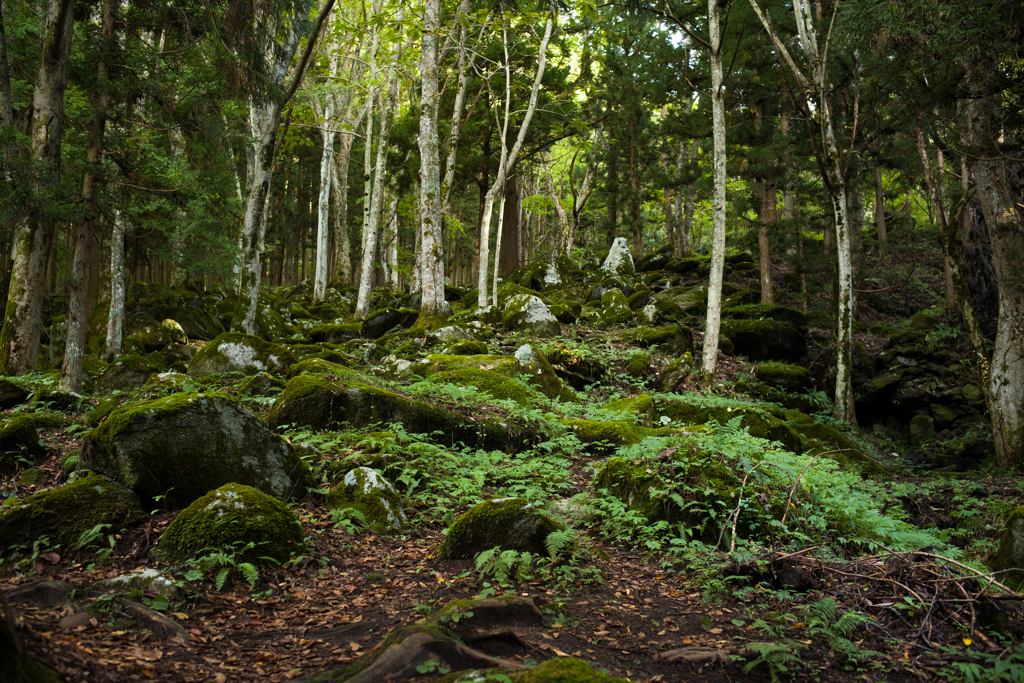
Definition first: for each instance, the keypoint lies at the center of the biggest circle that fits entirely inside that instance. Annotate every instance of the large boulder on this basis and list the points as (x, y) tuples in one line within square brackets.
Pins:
[(256, 526), (63, 515), (312, 401), (379, 323), (147, 330), (760, 339), (11, 394), (19, 441), (527, 312), (508, 523), (242, 353), (783, 376), (1009, 557), (187, 444), (619, 260), (363, 489), (195, 322), (528, 361), (125, 374)]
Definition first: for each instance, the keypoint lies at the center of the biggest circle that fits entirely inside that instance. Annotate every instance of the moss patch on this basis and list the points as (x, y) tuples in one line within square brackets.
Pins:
[(640, 408), (19, 440), (243, 353), (235, 516), (366, 491), (486, 381), (64, 514), (511, 523)]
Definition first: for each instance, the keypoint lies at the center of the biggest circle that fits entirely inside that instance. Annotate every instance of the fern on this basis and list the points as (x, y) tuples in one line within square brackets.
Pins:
[(88, 537), (250, 573), (559, 541), (222, 577), (775, 657)]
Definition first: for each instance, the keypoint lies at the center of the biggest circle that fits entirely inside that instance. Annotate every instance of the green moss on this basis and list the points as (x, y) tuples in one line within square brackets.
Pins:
[(537, 370), (757, 422), (640, 408), (676, 372), (1009, 556), (365, 490), (467, 348), (558, 670), (319, 366), (244, 353), (784, 375), (610, 432), (234, 516), (486, 381), (639, 366), (11, 394), (674, 340), (511, 523), (19, 440), (336, 334), (55, 399), (126, 373), (63, 515), (783, 314)]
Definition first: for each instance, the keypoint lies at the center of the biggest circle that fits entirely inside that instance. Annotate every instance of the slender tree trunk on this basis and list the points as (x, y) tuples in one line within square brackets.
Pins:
[(372, 228), (1005, 224), (115, 317), (19, 340), (343, 255), (766, 217), (78, 313), (937, 205), (714, 315), (6, 95), (511, 243), (508, 159), (324, 200), (879, 195)]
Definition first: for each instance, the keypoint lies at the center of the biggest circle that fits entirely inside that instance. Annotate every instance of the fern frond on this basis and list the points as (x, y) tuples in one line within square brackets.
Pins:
[(557, 541), (485, 557), (825, 609), (222, 577), (250, 573)]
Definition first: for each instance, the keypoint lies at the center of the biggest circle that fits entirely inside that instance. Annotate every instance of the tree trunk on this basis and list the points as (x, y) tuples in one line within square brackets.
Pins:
[(1006, 229), (323, 204), (372, 229), (115, 317), (78, 307), (19, 340), (879, 195), (343, 254), (511, 249), (937, 206), (714, 315), (766, 217)]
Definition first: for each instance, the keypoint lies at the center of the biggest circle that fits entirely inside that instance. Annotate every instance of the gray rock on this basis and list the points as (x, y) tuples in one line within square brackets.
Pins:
[(240, 353), (508, 523), (619, 260), (526, 312), (365, 490), (187, 444)]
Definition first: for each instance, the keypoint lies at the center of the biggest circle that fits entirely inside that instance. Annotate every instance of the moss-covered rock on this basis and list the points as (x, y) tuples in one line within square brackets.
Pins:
[(365, 490), (526, 312), (486, 381), (336, 334), (187, 444), (325, 368), (676, 372), (922, 430), (467, 348), (174, 331), (63, 515), (639, 365), (193, 321), (101, 411), (528, 361), (509, 523), (55, 399), (241, 353), (235, 516), (536, 367), (19, 441), (783, 376), (759, 423), (11, 394), (674, 340), (631, 483), (147, 330), (33, 476), (557, 670), (640, 408), (319, 403), (379, 323), (619, 260), (610, 434), (127, 373), (262, 384), (765, 339)]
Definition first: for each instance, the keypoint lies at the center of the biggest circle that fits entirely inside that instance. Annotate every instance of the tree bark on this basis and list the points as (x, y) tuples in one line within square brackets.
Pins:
[(78, 308), (1006, 229), (324, 200), (937, 205), (879, 195), (714, 316), (115, 317), (19, 340), (511, 249)]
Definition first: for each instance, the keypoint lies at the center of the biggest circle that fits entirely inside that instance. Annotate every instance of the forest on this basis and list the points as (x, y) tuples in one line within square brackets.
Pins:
[(451, 341)]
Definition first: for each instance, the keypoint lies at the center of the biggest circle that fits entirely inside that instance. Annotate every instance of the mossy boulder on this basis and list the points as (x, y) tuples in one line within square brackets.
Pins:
[(193, 321), (262, 384), (235, 516), (640, 408), (922, 430), (526, 312), (676, 372), (486, 381), (783, 376), (639, 365), (759, 423), (184, 445), (379, 323), (610, 434), (557, 670), (527, 362), (467, 348), (63, 515), (619, 260), (924, 322), (673, 340), (631, 483), (316, 402), (174, 331), (1009, 557), (536, 367), (508, 523), (101, 411), (11, 394), (19, 441), (325, 368), (336, 334), (365, 490), (147, 330), (760, 339), (55, 399), (233, 352), (127, 373)]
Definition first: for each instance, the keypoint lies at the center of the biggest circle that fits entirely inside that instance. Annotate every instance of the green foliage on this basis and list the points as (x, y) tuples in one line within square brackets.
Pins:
[(984, 667), (505, 564), (778, 658), (220, 565)]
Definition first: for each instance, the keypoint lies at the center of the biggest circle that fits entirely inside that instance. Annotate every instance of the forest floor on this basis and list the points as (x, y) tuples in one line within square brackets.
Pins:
[(641, 616)]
